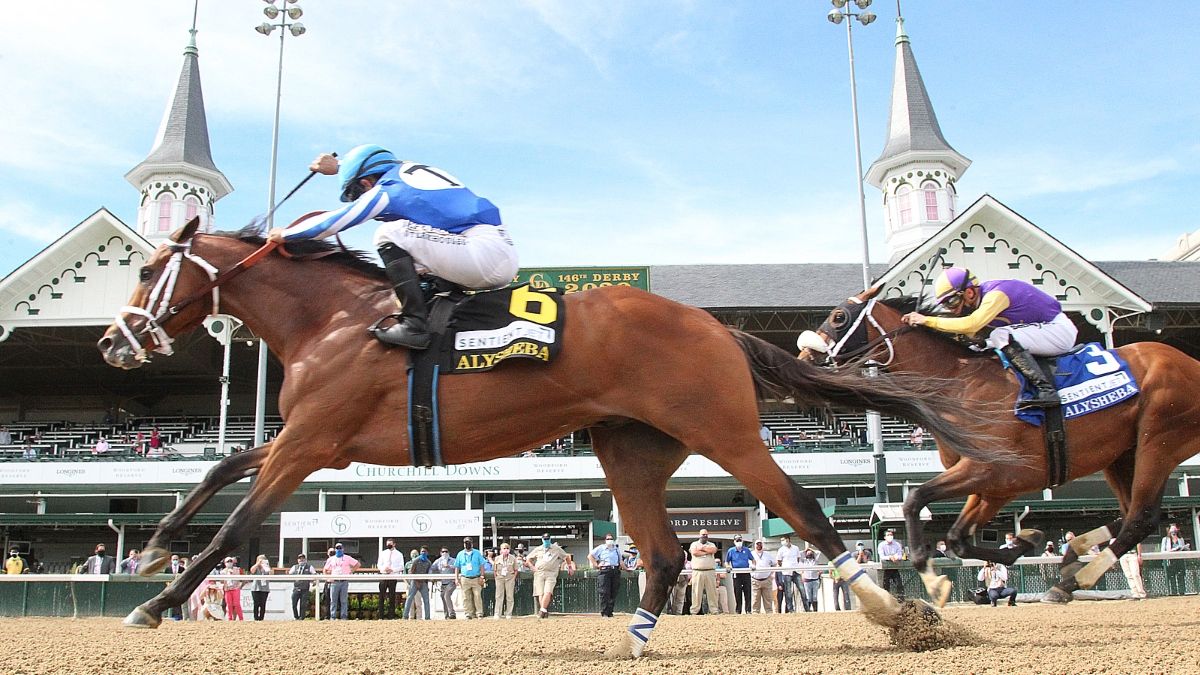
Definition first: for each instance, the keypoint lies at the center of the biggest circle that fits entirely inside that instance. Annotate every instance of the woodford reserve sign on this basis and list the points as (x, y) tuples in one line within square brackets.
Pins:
[(734, 522), (572, 279)]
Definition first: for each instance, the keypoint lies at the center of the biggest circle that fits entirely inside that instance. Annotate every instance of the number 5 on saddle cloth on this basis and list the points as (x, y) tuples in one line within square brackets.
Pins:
[(473, 333)]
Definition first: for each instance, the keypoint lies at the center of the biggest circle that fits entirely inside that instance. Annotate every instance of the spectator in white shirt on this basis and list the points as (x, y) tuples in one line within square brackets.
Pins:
[(391, 561), (995, 578), (788, 556)]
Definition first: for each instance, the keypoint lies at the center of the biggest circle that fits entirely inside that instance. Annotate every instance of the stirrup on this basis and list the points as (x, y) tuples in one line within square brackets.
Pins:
[(399, 334)]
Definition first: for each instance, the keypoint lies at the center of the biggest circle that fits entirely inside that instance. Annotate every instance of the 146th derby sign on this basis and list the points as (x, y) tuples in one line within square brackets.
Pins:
[(335, 524)]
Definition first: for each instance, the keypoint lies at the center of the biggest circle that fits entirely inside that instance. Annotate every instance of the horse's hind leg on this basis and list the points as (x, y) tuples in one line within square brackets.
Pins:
[(227, 472), (278, 479), (638, 460), (1120, 478), (743, 456)]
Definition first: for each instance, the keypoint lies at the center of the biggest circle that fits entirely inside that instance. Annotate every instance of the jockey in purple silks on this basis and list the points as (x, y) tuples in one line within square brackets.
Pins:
[(1025, 322)]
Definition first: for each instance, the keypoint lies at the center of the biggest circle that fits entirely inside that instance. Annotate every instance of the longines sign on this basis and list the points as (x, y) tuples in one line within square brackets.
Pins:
[(335, 524)]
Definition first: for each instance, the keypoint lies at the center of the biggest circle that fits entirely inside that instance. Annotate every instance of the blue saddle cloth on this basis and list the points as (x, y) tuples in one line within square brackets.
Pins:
[(1088, 378)]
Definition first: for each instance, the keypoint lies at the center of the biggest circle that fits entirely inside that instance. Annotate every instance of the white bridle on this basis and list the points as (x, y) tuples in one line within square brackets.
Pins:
[(162, 294), (811, 340)]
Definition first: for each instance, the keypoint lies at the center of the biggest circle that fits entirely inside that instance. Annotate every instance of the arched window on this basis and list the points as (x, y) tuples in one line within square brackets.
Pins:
[(904, 203), (165, 202), (931, 201), (951, 200), (191, 208)]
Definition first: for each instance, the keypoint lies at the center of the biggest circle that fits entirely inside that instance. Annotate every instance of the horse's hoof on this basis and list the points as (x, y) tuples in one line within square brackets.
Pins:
[(140, 618), (153, 561), (921, 609), (1035, 538), (940, 593), (1056, 596)]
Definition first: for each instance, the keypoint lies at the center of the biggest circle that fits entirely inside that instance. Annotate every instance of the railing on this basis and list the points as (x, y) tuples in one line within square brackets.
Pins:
[(88, 595)]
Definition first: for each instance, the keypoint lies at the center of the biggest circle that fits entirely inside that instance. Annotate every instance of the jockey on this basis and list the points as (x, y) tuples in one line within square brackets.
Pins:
[(1014, 310), (431, 224)]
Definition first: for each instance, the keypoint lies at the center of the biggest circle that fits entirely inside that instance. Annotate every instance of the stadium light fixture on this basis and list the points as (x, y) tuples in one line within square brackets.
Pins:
[(283, 13)]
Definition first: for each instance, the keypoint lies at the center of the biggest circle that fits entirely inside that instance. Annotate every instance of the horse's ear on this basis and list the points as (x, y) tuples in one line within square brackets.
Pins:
[(186, 232), (871, 292)]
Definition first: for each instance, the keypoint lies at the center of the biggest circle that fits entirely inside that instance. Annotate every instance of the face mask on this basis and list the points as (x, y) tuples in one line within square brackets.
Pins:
[(229, 563), (13, 553), (888, 538), (338, 553), (424, 555), (738, 544), (545, 542), (941, 547), (99, 551), (608, 543), (391, 546), (467, 545)]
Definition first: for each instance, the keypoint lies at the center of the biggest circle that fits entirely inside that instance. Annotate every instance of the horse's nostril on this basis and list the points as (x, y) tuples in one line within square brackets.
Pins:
[(105, 343)]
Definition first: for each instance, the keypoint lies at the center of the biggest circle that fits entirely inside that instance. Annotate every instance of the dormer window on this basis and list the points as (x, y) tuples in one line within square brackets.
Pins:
[(930, 189), (166, 202), (904, 203)]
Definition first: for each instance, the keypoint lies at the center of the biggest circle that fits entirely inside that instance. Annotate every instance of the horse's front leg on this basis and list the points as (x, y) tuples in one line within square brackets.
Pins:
[(278, 478), (227, 472)]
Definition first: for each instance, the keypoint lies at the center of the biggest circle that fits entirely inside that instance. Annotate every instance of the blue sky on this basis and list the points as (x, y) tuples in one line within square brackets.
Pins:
[(613, 133)]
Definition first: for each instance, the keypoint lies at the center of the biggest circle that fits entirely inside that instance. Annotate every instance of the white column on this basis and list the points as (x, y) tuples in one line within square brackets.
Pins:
[(616, 518)]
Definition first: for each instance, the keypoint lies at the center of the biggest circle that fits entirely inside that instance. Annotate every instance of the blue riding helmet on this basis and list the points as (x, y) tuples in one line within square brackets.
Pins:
[(360, 162)]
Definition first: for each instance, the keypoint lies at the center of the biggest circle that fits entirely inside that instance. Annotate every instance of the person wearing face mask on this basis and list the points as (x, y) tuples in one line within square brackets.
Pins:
[(339, 591), (811, 579), (300, 589), (233, 591), (175, 568), (546, 561), (940, 550), (445, 565), (788, 556), (890, 551), (704, 575), (391, 561), (606, 560), (100, 563), (504, 569), (468, 565), (761, 578), (418, 589), (261, 588), (739, 560), (15, 563)]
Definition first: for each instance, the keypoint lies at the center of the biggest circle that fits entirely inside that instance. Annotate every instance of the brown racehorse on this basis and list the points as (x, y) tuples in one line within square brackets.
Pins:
[(652, 379), (1136, 443)]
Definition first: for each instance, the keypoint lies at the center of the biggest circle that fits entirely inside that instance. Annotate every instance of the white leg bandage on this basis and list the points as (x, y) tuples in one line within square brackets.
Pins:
[(640, 626), (1082, 543), (1091, 573)]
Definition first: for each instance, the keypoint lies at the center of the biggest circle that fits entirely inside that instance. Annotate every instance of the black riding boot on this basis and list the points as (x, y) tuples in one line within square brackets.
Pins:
[(1023, 361), (411, 328)]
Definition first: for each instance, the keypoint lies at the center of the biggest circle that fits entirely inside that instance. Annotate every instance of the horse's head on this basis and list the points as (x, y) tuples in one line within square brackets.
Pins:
[(850, 331), (171, 274)]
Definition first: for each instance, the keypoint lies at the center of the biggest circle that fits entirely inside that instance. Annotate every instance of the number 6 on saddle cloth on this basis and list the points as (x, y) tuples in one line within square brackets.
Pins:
[(473, 333)]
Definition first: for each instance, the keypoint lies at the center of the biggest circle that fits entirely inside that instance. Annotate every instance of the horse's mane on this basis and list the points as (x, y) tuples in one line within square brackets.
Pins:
[(355, 260), (906, 304)]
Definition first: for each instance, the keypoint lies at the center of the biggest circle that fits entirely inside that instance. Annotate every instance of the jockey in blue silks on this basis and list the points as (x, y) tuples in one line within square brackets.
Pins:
[(432, 224), (1012, 309)]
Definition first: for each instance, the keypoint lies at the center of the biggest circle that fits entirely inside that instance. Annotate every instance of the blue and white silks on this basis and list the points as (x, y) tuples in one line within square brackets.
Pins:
[(408, 191)]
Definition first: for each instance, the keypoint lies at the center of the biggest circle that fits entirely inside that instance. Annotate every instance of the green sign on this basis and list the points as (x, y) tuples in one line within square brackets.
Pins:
[(572, 279)]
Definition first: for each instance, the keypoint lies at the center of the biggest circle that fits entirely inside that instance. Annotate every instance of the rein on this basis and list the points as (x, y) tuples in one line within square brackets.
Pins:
[(165, 289)]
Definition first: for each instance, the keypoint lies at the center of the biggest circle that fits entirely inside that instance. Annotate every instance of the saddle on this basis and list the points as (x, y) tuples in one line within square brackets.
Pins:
[(473, 332)]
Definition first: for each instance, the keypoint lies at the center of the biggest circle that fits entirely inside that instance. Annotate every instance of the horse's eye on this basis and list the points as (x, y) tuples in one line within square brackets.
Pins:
[(838, 318), (145, 274)]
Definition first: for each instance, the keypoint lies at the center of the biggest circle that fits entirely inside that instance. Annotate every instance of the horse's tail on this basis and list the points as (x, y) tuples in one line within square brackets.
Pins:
[(918, 399)]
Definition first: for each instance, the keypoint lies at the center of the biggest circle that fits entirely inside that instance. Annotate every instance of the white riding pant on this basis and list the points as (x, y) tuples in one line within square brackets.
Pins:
[(479, 258), (1052, 338)]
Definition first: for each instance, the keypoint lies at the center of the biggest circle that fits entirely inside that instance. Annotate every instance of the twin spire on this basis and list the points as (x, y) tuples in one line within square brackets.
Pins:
[(917, 169), (179, 179)]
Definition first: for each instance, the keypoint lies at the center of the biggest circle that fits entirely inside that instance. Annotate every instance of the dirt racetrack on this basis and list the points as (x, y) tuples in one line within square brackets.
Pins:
[(1154, 636)]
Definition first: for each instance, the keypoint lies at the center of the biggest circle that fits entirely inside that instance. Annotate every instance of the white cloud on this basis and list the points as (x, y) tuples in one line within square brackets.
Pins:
[(29, 223)]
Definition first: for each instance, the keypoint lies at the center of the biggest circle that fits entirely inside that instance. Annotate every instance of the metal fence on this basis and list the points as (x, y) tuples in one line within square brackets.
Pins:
[(85, 595)]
